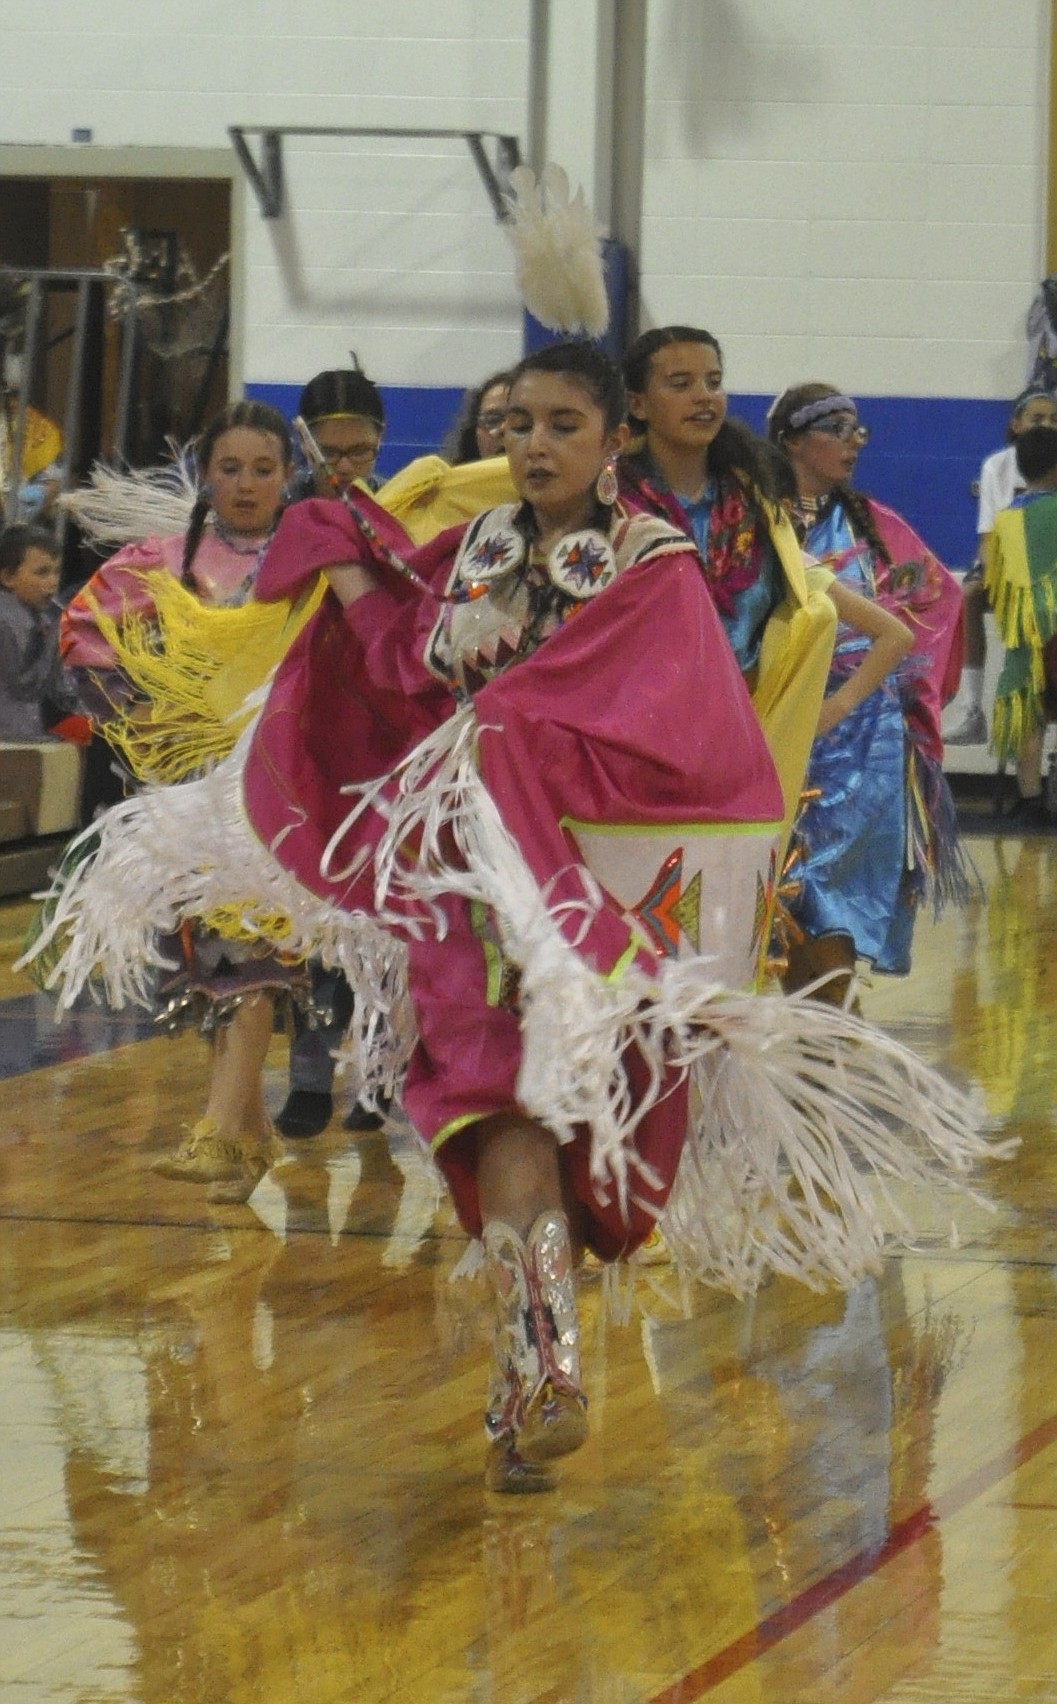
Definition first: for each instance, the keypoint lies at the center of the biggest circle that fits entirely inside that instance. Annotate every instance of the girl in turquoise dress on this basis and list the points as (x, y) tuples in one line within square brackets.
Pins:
[(878, 826)]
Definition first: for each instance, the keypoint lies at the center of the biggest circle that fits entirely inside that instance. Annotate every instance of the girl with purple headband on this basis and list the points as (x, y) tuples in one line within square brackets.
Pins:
[(879, 825)]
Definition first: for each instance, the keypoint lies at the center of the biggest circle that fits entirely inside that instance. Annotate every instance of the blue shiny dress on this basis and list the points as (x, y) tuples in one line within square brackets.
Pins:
[(856, 875)]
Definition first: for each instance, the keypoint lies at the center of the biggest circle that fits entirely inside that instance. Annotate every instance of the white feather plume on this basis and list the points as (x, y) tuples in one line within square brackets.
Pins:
[(122, 507), (558, 260)]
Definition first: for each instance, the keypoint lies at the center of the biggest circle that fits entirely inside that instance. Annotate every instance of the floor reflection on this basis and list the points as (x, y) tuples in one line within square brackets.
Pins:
[(240, 1448), (30, 1039)]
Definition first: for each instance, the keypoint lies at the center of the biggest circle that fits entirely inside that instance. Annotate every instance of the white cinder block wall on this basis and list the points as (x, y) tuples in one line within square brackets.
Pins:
[(838, 188), (849, 188), (387, 246), (855, 192)]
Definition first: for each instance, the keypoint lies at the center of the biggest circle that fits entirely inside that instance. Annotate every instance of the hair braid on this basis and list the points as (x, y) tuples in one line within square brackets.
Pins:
[(251, 416), (192, 539), (856, 506)]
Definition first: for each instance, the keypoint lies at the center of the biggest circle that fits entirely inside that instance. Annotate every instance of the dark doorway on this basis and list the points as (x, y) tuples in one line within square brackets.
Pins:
[(163, 363)]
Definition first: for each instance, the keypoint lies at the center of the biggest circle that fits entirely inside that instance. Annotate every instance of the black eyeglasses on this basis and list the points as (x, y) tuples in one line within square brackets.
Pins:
[(356, 456), (848, 431)]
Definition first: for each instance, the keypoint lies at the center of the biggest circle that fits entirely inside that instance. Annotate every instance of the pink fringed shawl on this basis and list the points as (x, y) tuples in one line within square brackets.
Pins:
[(929, 599)]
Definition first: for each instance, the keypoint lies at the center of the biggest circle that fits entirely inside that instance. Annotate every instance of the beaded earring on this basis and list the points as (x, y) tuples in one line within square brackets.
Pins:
[(606, 487)]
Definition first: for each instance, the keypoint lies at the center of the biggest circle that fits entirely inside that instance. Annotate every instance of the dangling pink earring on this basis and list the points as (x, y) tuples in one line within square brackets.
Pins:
[(606, 487)]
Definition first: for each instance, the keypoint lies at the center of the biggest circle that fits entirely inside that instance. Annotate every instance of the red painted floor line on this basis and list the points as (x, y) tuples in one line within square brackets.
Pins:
[(815, 1598)]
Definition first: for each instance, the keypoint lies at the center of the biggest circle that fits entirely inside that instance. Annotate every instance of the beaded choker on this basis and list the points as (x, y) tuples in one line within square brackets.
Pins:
[(243, 543)]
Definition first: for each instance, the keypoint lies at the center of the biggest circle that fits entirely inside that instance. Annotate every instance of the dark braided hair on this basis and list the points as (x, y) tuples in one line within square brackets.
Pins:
[(735, 452), (342, 391), (253, 417), (854, 503)]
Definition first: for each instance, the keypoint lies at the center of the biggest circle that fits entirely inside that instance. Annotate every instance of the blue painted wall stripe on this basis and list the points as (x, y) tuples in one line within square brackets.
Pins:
[(922, 459)]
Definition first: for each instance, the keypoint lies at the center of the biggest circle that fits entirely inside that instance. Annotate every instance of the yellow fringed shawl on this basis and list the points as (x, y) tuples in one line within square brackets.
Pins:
[(429, 495), (194, 669), (1007, 580), (794, 662)]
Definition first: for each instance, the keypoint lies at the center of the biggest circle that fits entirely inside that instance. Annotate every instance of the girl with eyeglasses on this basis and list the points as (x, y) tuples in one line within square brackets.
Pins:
[(343, 410), (879, 828), (478, 432)]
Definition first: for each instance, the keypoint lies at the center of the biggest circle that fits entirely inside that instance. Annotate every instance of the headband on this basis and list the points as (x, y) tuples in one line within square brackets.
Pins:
[(818, 410), (348, 414), (1034, 393)]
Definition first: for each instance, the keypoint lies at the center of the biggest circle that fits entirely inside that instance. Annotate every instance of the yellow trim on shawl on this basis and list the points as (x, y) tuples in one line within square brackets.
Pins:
[(794, 661), (453, 1126), (195, 665), (192, 668), (429, 495), (1018, 714)]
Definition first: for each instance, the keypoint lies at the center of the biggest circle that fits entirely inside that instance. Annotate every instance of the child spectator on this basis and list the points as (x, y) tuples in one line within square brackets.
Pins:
[(35, 691)]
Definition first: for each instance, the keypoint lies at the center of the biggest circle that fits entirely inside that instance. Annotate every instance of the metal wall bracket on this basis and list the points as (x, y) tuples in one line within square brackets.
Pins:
[(266, 174)]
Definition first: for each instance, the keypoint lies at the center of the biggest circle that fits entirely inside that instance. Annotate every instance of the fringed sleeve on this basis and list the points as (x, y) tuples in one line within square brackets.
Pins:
[(1007, 579), (1020, 577)]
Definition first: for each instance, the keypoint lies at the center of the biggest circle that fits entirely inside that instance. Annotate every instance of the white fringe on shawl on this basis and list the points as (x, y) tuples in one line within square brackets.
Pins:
[(186, 853), (800, 1112), (558, 263), (124, 506)]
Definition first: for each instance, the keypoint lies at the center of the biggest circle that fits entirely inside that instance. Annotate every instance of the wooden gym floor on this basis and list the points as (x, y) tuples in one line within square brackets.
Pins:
[(241, 1448)]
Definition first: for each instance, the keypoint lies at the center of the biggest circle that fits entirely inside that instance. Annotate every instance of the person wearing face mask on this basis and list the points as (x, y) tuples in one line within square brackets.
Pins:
[(1021, 586), (879, 828), (1000, 483)]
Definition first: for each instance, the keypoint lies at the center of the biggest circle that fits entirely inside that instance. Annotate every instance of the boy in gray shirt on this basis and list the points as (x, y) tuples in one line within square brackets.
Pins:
[(35, 690)]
